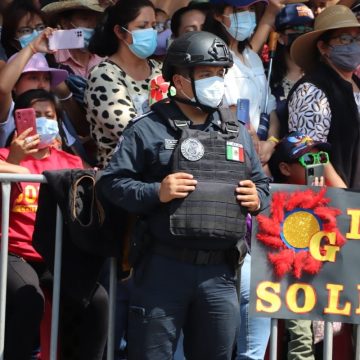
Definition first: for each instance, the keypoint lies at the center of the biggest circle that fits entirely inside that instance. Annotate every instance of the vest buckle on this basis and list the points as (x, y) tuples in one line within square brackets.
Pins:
[(232, 128), (181, 123)]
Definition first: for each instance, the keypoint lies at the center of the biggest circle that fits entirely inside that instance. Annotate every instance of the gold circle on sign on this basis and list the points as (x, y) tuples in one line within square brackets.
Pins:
[(299, 227)]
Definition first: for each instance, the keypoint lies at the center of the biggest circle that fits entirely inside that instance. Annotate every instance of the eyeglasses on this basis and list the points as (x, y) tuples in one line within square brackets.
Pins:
[(347, 39), (27, 30), (308, 159)]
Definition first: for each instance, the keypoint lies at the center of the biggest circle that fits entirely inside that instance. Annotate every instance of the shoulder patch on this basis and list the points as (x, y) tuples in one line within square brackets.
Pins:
[(137, 118)]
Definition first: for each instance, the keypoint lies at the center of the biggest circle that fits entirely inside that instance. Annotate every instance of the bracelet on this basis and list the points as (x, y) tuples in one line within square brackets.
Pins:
[(67, 97), (273, 139), (31, 46)]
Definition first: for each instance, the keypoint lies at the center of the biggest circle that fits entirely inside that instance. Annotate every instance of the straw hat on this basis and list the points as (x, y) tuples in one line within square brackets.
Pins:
[(64, 5), (304, 51)]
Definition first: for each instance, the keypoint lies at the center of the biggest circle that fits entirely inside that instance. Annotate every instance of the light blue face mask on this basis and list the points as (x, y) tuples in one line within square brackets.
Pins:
[(25, 40), (87, 33), (48, 130), (242, 25), (144, 42)]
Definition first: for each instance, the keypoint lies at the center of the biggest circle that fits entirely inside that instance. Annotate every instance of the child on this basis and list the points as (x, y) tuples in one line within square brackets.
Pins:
[(288, 165), (26, 268)]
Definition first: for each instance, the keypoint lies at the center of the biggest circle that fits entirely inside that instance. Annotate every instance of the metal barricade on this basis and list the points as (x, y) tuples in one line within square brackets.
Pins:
[(6, 180)]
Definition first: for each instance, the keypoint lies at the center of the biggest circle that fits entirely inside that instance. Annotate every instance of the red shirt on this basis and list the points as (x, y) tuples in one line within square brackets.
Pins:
[(23, 205)]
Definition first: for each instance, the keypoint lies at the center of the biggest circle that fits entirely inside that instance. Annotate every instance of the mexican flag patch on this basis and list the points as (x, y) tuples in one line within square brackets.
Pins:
[(234, 151)]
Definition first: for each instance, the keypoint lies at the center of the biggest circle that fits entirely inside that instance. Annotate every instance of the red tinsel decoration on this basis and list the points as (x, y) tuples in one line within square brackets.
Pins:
[(287, 260)]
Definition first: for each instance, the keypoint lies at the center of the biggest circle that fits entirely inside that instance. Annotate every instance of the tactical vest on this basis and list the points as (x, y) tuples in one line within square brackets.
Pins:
[(217, 161)]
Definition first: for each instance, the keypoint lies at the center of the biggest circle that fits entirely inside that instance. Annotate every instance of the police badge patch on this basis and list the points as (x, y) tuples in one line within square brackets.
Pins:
[(192, 149)]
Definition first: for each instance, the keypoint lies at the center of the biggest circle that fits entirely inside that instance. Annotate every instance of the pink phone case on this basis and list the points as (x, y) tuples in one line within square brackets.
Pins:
[(25, 119), (66, 39)]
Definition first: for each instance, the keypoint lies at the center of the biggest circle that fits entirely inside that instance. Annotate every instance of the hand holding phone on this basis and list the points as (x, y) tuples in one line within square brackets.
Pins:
[(66, 39), (312, 172), (25, 119)]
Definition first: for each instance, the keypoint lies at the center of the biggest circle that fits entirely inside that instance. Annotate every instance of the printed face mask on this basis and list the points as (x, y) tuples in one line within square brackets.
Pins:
[(48, 130), (242, 25), (162, 42), (87, 33), (25, 40), (144, 42), (345, 57)]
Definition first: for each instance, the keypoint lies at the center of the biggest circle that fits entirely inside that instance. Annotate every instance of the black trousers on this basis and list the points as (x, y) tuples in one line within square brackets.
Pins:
[(83, 330)]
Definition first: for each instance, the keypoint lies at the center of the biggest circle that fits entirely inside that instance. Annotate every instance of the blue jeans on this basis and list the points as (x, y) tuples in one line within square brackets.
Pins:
[(169, 295), (254, 331)]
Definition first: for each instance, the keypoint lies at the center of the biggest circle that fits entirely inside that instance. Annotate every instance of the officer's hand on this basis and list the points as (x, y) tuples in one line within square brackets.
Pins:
[(176, 186), (247, 195)]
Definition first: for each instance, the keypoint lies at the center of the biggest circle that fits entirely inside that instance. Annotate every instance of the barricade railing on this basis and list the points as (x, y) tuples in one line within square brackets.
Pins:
[(6, 180)]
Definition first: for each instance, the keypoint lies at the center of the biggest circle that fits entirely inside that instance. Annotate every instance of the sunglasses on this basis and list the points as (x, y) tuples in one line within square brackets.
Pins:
[(318, 158)]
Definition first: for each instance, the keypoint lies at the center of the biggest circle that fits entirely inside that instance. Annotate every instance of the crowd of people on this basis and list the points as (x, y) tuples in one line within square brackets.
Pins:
[(187, 117)]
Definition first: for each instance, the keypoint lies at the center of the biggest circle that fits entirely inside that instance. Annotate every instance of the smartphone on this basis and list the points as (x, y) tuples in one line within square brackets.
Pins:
[(66, 39), (242, 110), (24, 119), (313, 171)]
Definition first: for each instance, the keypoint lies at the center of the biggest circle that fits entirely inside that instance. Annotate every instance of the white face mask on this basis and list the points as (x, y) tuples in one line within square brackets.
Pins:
[(210, 91), (242, 25)]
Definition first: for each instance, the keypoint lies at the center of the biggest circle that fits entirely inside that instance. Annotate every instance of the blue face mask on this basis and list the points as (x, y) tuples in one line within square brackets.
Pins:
[(144, 42), (345, 57), (48, 130), (25, 40), (242, 25), (87, 33)]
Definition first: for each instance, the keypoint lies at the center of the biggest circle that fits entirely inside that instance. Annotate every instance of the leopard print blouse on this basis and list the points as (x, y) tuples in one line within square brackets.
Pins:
[(112, 98)]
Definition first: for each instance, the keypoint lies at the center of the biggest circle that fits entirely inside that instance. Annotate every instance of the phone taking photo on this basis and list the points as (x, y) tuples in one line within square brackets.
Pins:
[(25, 119), (66, 39), (312, 172)]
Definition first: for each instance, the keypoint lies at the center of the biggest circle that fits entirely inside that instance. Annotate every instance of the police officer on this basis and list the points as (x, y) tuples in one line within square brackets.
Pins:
[(190, 170)]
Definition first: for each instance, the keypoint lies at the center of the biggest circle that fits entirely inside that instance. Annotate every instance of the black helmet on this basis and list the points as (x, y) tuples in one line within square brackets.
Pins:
[(193, 49)]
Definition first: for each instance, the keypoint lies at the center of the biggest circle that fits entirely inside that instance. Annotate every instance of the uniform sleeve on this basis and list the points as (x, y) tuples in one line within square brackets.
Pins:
[(121, 182), (257, 175), (309, 112), (108, 105)]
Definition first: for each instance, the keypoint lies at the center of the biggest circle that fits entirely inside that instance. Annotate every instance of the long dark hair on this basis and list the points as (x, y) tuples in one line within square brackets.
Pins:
[(11, 19), (216, 27), (279, 65), (104, 41)]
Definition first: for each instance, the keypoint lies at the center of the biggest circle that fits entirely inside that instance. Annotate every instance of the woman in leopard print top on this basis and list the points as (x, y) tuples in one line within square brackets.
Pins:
[(118, 88)]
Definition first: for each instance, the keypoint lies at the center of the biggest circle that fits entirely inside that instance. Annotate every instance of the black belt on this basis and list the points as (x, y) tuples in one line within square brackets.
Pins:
[(192, 256)]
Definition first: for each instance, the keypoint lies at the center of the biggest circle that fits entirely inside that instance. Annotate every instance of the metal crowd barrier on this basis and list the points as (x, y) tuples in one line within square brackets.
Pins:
[(6, 180)]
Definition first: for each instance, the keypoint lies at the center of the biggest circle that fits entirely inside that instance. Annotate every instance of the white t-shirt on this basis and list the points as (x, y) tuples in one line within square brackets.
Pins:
[(248, 81)]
